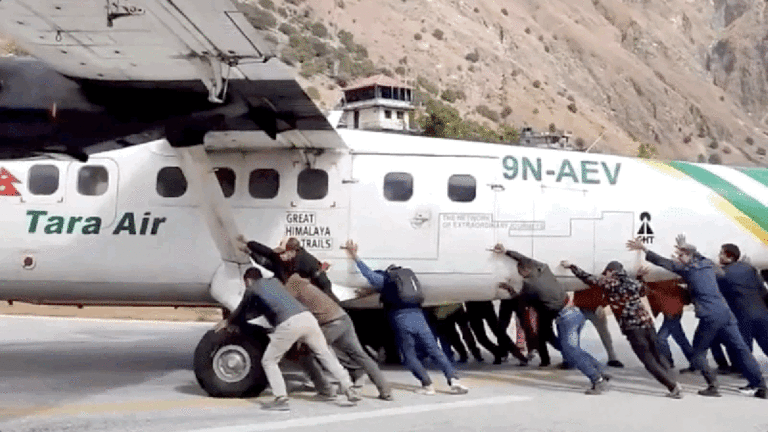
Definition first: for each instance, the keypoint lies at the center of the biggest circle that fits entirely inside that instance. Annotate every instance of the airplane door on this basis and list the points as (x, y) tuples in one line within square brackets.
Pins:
[(466, 195), (92, 187), (513, 215), (319, 200), (393, 215)]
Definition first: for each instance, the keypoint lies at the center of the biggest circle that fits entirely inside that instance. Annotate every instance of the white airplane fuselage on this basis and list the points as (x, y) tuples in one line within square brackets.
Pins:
[(127, 244)]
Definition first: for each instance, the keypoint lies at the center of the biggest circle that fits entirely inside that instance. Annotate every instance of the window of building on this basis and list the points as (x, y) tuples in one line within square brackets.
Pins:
[(171, 182), (386, 92), (462, 188), (387, 114), (398, 186), (400, 115), (226, 177), (43, 179), (92, 180), (312, 184), (264, 183)]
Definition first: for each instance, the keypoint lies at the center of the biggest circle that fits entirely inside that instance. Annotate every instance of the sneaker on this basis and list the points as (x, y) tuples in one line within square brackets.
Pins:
[(479, 358), (386, 396), (325, 397), (280, 403), (564, 366), (499, 359), (748, 390), (689, 369), (598, 387), (761, 393), (676, 393), (352, 395), (458, 388), (615, 363), (710, 391), (427, 390), (607, 376)]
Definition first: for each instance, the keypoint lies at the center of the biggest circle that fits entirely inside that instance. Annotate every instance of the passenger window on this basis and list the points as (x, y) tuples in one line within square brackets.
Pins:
[(313, 184), (398, 186), (462, 188), (264, 183), (92, 180), (171, 182), (226, 177), (43, 179)]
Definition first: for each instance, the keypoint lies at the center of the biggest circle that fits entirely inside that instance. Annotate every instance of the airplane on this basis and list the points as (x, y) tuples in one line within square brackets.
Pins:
[(146, 136)]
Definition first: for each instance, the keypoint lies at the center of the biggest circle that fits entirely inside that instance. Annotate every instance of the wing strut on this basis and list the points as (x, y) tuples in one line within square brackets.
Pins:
[(227, 286)]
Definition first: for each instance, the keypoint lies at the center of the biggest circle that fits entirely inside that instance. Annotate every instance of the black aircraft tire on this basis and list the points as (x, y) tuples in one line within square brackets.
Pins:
[(228, 365)]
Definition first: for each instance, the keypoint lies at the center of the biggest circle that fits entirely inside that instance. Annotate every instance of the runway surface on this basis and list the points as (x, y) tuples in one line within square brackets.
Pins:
[(63, 374)]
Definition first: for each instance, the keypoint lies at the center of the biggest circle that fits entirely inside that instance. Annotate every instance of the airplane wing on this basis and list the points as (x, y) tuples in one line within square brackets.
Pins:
[(132, 66)]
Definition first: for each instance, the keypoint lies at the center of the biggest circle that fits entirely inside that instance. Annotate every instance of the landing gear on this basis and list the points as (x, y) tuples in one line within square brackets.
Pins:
[(228, 364)]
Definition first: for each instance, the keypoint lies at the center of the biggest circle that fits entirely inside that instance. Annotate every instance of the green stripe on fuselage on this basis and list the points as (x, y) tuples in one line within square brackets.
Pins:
[(759, 174), (752, 208)]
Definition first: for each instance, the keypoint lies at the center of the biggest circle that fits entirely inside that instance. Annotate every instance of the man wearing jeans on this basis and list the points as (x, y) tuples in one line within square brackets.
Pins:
[(291, 323), (545, 293), (337, 328), (411, 328)]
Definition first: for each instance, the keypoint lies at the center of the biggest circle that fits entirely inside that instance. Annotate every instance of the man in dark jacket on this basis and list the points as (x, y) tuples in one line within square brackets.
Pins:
[(544, 292), (298, 260), (742, 286), (713, 312), (623, 295), (291, 323), (410, 327)]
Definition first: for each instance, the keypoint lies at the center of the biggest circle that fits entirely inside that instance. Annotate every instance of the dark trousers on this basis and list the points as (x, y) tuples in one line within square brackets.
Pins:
[(726, 327), (446, 328), (644, 343), (517, 305), (719, 355), (480, 312), (755, 329), (546, 334)]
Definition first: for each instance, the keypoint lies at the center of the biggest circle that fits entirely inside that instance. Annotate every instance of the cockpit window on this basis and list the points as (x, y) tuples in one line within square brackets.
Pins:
[(43, 179), (226, 177), (264, 183), (462, 188), (312, 184), (398, 186), (171, 182), (92, 180)]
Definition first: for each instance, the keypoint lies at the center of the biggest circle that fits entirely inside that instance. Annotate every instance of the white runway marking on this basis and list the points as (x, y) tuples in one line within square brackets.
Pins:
[(387, 412)]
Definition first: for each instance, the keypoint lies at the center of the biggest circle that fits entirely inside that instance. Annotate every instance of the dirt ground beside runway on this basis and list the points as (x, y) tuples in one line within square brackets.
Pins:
[(116, 312)]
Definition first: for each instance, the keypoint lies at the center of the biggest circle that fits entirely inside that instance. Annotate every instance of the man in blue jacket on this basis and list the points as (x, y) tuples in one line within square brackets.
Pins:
[(742, 287), (411, 328), (715, 318)]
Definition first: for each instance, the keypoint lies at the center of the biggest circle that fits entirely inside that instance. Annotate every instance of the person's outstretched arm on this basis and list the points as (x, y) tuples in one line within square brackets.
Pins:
[(587, 278), (375, 279)]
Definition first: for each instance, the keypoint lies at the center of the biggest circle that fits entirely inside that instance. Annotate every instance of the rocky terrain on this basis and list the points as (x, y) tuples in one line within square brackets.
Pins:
[(684, 79)]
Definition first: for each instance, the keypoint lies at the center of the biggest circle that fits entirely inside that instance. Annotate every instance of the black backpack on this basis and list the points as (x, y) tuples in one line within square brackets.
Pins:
[(406, 286)]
